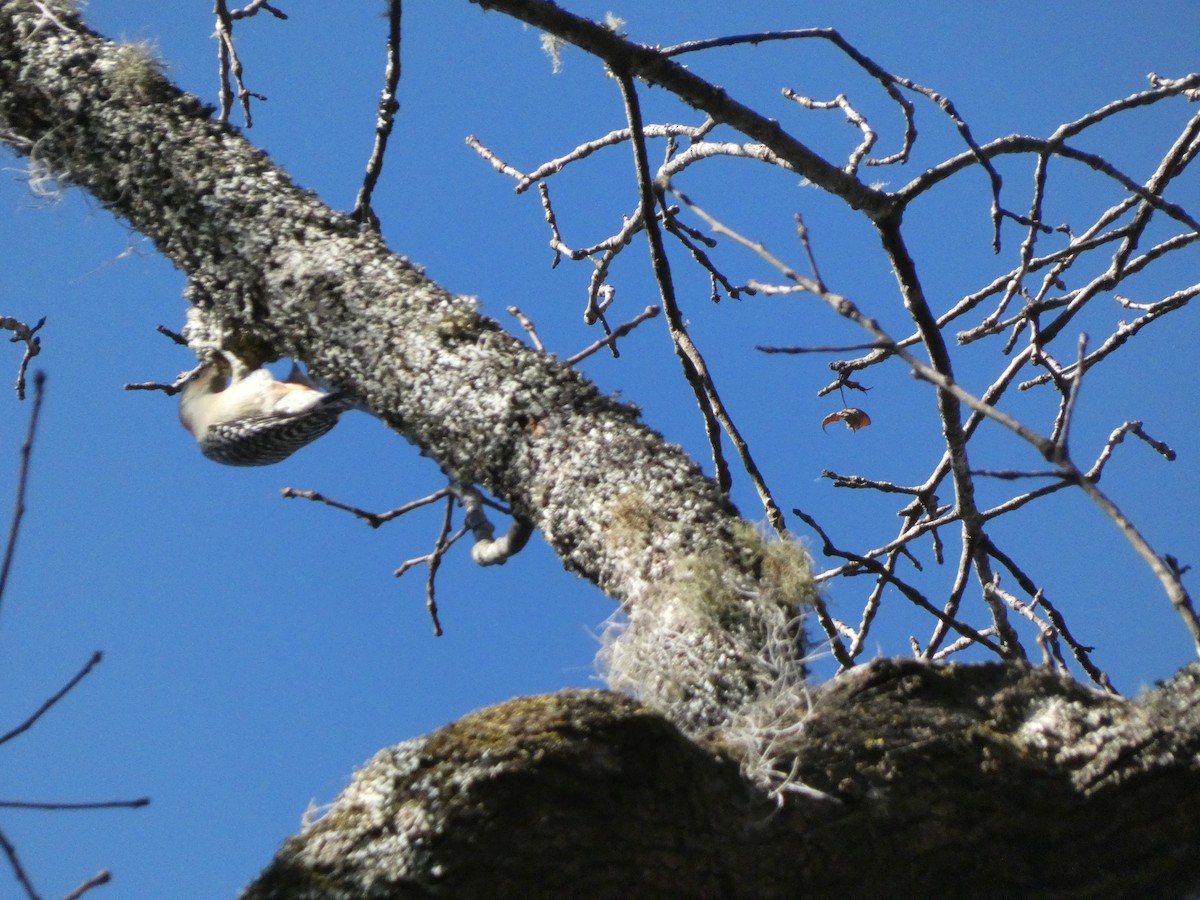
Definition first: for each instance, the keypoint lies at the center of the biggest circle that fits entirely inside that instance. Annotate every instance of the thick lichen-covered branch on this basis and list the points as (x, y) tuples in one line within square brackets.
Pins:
[(276, 273), (991, 781)]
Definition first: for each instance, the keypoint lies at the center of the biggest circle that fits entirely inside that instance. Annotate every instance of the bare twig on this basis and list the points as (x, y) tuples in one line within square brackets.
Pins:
[(1168, 575), (1046, 308), (433, 560), (693, 363), (834, 630), (492, 159), (103, 804), (956, 647), (1080, 652), (689, 237), (852, 116), (529, 328), (388, 107), (832, 348), (18, 870), (33, 345), (583, 151), (1117, 436), (372, 519), (1124, 331), (619, 332), (911, 593), (227, 58), (100, 878), (252, 8), (26, 453), (49, 704)]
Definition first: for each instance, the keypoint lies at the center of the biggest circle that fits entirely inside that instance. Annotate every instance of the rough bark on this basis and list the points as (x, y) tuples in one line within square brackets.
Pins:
[(276, 273), (923, 780)]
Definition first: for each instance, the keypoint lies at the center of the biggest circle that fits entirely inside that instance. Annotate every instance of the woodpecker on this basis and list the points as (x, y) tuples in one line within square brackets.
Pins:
[(252, 419)]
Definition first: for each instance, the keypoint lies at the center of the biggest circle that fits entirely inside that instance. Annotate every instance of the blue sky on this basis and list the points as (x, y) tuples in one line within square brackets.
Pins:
[(257, 650)]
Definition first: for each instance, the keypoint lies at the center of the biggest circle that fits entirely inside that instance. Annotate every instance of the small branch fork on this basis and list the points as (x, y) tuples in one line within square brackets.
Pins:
[(1031, 305), (228, 63), (22, 333), (487, 549)]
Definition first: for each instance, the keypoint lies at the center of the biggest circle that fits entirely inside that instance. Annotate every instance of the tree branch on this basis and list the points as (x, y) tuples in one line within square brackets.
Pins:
[(276, 273), (995, 777)]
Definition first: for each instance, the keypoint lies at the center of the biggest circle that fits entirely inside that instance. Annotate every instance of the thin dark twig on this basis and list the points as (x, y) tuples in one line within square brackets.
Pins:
[(620, 331), (688, 352), (1014, 144), (833, 629), (1027, 246), (915, 596), (871, 608), (556, 242), (1080, 652), (10, 547), (18, 870), (946, 518), (104, 804), (890, 83), (444, 542), (372, 519), (435, 562), (174, 336), (45, 707), (833, 348), (1171, 166), (691, 362), (953, 601), (858, 482), (1124, 331), (102, 877), (1013, 474), (1062, 431), (688, 237), (1167, 574), (388, 107), (694, 134)]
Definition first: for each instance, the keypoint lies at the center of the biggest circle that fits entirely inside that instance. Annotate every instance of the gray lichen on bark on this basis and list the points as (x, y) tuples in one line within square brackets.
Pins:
[(276, 273), (991, 781)]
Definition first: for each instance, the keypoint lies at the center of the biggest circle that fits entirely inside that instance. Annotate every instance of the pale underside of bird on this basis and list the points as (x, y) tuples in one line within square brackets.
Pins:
[(246, 417)]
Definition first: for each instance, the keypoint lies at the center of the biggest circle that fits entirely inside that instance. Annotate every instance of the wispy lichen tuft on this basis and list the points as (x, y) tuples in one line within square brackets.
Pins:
[(552, 47), (722, 654)]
